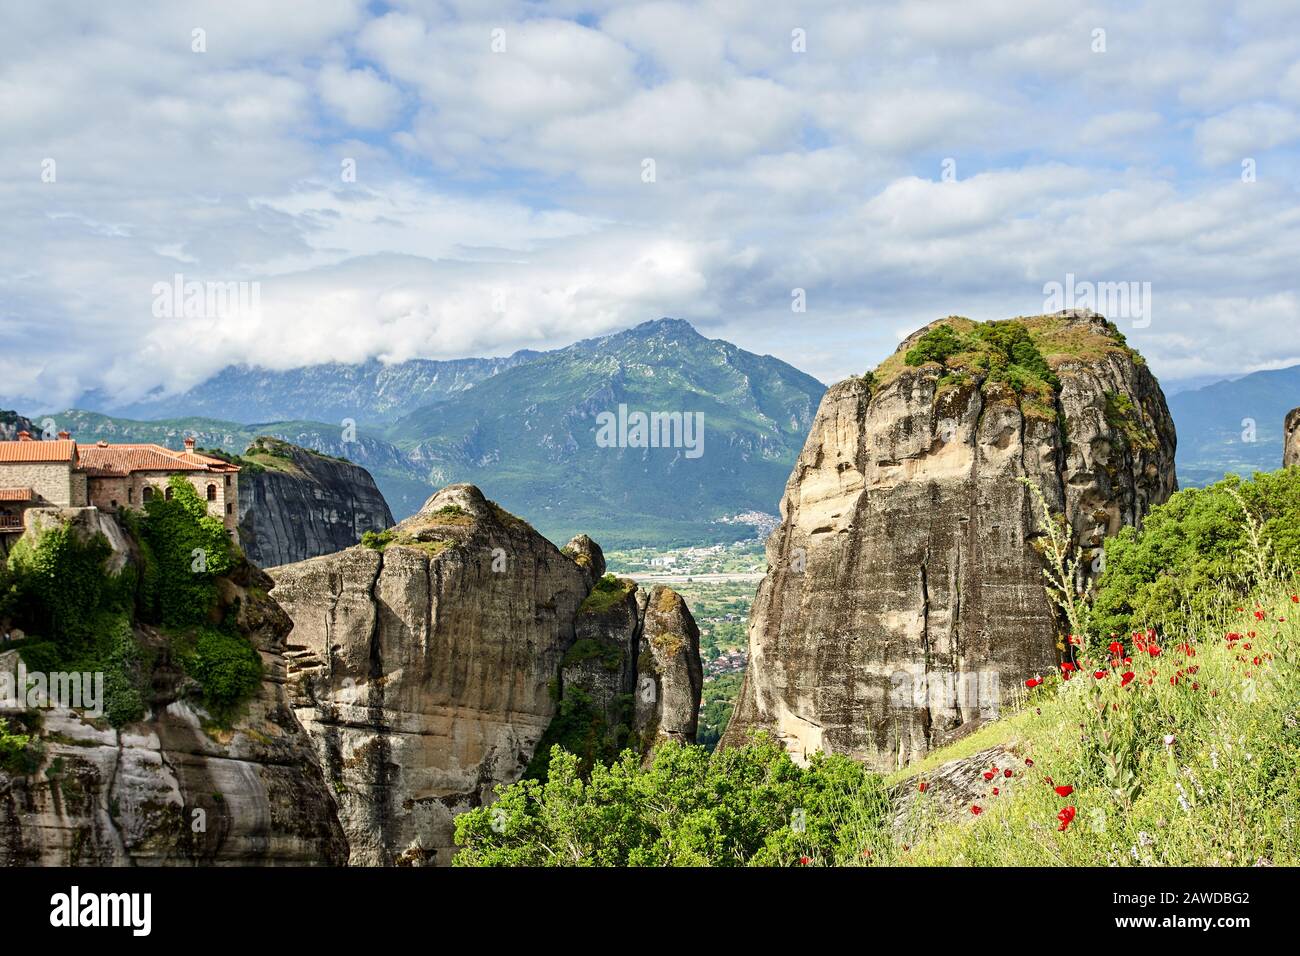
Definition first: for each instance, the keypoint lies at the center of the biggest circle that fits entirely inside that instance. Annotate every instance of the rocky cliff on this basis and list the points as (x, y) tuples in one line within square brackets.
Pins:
[(1291, 439), (296, 504), (433, 666), (172, 788), (904, 595)]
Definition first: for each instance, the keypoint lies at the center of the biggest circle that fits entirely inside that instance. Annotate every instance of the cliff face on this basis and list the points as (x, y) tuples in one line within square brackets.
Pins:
[(295, 504), (170, 789), (433, 670), (904, 596), (1291, 441), (423, 672)]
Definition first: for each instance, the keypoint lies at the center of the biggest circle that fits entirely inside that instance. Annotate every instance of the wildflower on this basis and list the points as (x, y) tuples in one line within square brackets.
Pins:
[(1033, 682), (1075, 640), (1007, 772), (1099, 674), (804, 861), (1067, 667), (1255, 662), (1153, 650), (976, 809), (1295, 599), (996, 791), (1126, 678), (1064, 790), (1116, 647), (923, 786), (1169, 740), (1029, 761), (1259, 615), (1066, 816), (988, 774)]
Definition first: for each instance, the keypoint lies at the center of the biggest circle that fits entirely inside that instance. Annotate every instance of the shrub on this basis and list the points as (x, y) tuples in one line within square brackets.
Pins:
[(750, 805), (227, 668), (1192, 552), (191, 548), (937, 345)]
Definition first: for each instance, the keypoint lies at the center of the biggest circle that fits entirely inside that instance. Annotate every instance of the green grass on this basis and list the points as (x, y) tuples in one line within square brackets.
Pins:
[(609, 592)]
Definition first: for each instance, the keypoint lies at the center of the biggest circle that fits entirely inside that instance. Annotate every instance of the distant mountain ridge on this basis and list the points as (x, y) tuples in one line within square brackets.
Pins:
[(530, 435), (1234, 425), (524, 428), (367, 392)]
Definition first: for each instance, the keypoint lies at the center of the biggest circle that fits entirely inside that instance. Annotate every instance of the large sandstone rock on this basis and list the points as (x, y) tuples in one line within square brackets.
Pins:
[(303, 504), (670, 673), (426, 673), (1291, 441), (172, 788), (904, 595)]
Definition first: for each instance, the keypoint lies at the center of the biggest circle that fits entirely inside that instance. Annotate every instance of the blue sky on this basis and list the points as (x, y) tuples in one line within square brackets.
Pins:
[(500, 198)]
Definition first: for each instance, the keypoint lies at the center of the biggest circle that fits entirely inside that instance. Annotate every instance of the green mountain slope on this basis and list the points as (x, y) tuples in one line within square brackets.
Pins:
[(528, 436)]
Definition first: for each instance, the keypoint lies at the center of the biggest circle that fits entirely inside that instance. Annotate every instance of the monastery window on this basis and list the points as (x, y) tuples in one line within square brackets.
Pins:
[(212, 492), (169, 493), (147, 494)]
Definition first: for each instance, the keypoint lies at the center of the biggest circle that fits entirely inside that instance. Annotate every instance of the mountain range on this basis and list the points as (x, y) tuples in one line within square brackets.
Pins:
[(525, 428)]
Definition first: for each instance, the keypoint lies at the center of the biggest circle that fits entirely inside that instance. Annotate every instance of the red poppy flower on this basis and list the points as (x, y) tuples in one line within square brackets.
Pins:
[(988, 774), (1029, 761), (1255, 662), (1295, 599), (1099, 674), (804, 861), (1116, 647), (976, 809), (1033, 682), (1007, 772), (1066, 816), (1153, 651), (996, 791), (923, 786), (1067, 667), (1064, 791), (1126, 678)]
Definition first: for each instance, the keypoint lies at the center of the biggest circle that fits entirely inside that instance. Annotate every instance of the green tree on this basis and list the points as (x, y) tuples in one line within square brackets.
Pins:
[(1193, 550), (749, 805), (190, 548)]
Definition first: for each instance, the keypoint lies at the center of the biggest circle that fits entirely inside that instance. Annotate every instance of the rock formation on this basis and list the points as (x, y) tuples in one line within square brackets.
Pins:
[(1291, 439), (171, 788), (904, 594), (432, 667), (296, 504)]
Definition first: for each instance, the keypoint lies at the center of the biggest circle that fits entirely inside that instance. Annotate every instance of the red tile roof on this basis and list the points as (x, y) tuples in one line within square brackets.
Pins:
[(101, 460), (15, 494), (38, 451)]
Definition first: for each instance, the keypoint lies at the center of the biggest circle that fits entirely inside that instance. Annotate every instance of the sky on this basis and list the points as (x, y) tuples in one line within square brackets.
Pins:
[(812, 181)]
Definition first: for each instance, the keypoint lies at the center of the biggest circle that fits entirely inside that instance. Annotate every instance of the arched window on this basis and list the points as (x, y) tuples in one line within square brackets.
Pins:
[(212, 492), (169, 493), (147, 494), (130, 496)]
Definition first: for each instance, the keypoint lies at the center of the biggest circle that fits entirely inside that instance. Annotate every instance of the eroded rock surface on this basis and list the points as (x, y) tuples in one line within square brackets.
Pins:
[(426, 673), (171, 789), (303, 504), (904, 595), (1291, 440)]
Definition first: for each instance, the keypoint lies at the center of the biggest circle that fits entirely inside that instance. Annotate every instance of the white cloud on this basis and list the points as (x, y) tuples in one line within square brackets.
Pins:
[(360, 97)]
